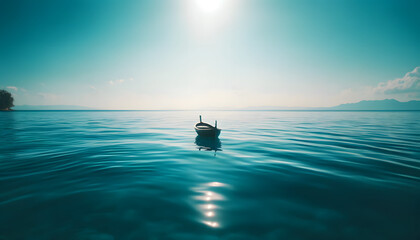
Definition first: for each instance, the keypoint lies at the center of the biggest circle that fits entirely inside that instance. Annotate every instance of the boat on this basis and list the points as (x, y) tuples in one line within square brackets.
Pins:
[(207, 130)]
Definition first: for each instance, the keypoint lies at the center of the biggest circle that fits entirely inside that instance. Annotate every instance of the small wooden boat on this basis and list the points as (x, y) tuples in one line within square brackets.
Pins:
[(207, 130)]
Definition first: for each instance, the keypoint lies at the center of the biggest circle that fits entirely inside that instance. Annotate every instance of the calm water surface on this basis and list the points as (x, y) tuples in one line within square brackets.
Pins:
[(271, 175)]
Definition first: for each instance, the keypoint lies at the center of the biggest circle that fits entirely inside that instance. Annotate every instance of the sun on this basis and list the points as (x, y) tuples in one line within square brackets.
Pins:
[(209, 6), (208, 18)]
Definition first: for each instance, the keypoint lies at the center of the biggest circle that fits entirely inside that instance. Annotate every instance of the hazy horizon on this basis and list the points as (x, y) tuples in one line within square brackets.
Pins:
[(210, 54)]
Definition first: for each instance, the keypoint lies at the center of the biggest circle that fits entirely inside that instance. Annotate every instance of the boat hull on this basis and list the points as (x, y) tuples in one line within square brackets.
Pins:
[(215, 132), (206, 130)]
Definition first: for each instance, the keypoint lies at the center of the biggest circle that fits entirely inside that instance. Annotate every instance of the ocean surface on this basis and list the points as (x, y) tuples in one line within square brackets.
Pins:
[(270, 175)]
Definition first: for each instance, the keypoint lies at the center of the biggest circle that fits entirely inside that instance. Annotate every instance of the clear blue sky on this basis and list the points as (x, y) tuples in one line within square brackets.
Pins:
[(192, 54)]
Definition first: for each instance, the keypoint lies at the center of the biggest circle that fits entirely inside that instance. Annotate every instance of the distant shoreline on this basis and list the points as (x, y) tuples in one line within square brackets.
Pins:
[(365, 105), (195, 110)]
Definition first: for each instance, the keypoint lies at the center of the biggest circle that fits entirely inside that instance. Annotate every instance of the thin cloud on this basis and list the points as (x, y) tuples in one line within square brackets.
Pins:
[(118, 81), (404, 89), (410, 83), (13, 88)]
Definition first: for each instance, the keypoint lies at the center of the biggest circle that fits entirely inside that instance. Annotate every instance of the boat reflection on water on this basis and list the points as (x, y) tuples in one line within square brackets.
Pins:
[(208, 144)]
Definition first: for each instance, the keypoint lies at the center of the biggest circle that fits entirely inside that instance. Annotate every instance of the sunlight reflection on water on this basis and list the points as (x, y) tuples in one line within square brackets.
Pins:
[(206, 202)]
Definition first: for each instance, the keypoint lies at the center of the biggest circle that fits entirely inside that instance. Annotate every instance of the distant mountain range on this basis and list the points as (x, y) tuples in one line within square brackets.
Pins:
[(387, 104)]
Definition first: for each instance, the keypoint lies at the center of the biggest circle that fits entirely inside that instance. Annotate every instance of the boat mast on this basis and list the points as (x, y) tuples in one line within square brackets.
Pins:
[(200, 118)]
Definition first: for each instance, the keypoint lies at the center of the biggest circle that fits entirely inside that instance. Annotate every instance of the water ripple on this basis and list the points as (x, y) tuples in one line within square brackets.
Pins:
[(270, 175)]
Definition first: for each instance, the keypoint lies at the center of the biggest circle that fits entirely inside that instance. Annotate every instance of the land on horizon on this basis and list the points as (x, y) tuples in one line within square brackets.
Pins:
[(386, 104)]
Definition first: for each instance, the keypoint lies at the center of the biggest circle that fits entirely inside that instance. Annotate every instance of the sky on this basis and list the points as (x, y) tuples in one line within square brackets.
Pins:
[(209, 54)]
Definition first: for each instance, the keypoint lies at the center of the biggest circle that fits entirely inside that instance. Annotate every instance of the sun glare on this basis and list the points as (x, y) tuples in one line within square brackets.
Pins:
[(209, 6), (208, 18)]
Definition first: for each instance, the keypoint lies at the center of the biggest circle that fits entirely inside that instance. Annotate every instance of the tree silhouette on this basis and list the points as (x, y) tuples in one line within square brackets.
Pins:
[(6, 100)]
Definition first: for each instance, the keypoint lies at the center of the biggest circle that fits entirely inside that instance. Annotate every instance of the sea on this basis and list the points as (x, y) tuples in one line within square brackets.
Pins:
[(270, 175)]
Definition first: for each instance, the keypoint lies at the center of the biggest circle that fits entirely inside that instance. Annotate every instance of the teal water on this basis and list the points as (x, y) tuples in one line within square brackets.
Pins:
[(270, 175)]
